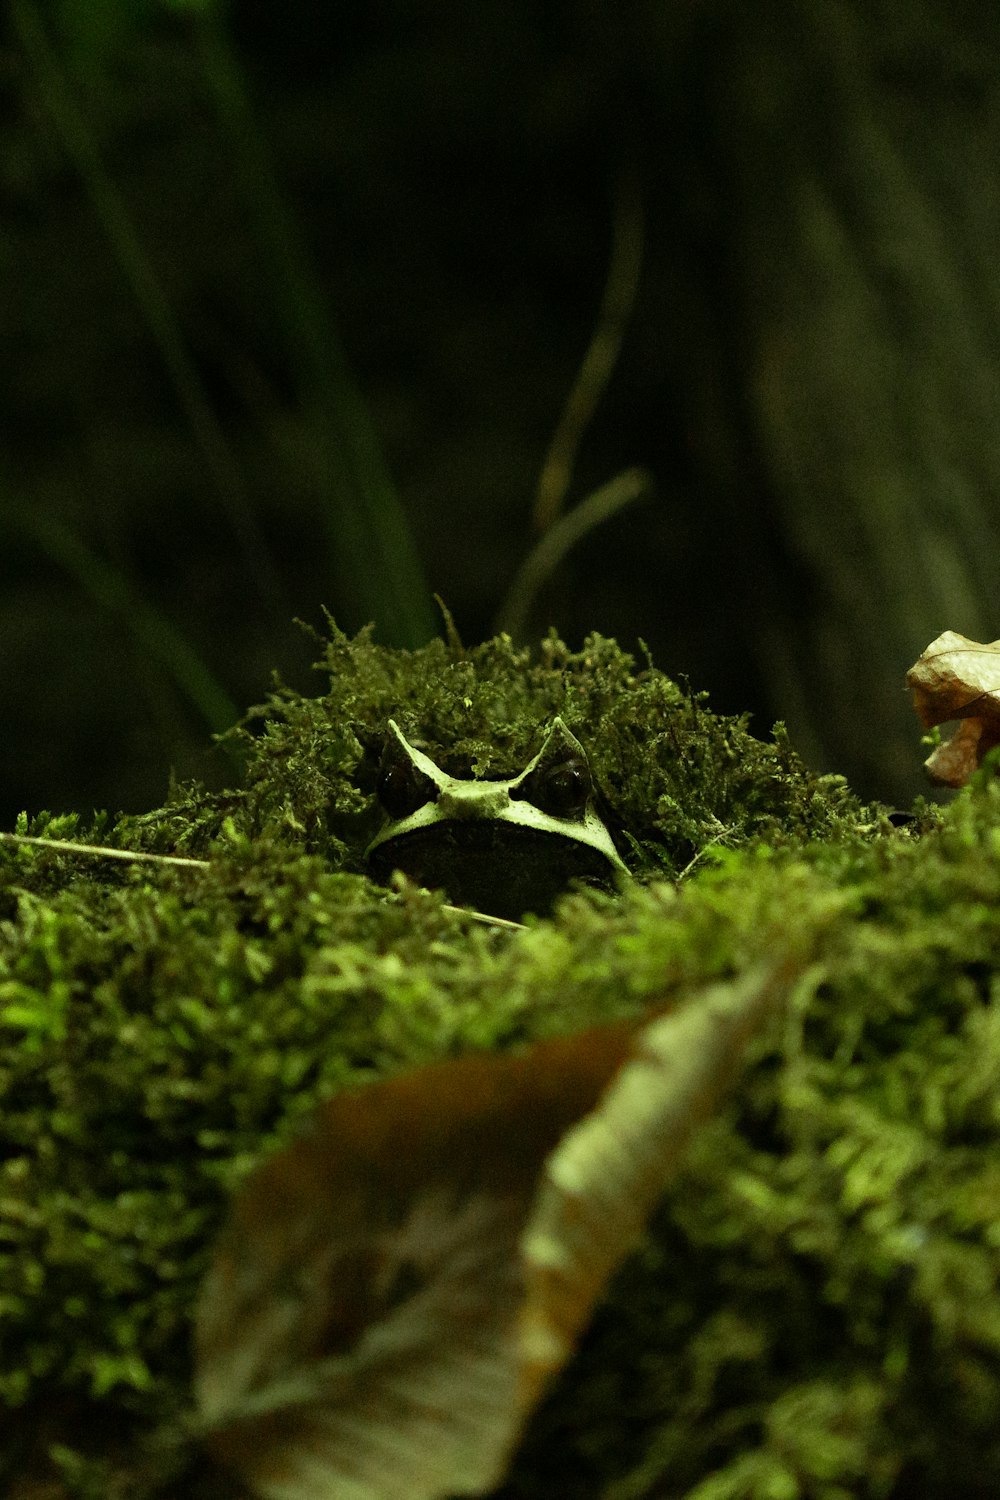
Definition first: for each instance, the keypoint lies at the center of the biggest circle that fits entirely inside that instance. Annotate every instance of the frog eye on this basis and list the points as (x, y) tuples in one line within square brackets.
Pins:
[(402, 787), (561, 788)]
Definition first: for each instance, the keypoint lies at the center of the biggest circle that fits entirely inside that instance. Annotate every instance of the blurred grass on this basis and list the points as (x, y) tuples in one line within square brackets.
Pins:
[(372, 554), (139, 273), (371, 561), (811, 372), (160, 641)]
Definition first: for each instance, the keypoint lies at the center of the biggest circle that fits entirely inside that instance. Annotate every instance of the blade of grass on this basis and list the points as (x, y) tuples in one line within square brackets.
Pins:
[(378, 572), (157, 637), (77, 140), (602, 354), (549, 551)]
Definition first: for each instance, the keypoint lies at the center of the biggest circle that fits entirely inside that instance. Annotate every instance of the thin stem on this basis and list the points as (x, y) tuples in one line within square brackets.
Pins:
[(601, 356), (552, 547), (101, 851)]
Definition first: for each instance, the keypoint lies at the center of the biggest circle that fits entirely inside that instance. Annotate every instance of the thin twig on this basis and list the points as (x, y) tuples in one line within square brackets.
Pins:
[(137, 856), (601, 356), (102, 851)]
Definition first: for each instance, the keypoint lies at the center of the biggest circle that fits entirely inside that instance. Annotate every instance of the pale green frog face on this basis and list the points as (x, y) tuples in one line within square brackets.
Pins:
[(503, 847)]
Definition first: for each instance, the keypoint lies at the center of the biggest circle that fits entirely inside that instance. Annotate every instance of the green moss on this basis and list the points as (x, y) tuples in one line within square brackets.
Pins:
[(815, 1311), (675, 777)]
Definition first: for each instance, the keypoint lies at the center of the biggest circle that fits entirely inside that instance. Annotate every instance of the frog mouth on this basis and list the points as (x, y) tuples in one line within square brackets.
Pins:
[(494, 865)]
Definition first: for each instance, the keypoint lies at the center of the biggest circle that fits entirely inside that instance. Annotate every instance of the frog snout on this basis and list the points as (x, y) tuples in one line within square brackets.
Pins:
[(465, 800)]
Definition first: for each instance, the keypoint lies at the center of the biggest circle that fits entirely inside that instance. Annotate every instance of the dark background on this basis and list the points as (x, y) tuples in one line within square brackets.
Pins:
[(255, 260)]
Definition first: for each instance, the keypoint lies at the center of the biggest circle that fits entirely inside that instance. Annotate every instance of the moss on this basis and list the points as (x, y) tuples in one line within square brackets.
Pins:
[(675, 777), (814, 1313)]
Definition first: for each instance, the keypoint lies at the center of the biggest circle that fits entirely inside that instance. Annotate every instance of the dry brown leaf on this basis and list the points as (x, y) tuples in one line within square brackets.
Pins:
[(956, 678), (605, 1177), (357, 1331), (394, 1290)]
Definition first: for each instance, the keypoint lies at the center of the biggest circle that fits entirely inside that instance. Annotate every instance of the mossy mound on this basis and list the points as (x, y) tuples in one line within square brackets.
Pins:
[(815, 1311), (674, 776)]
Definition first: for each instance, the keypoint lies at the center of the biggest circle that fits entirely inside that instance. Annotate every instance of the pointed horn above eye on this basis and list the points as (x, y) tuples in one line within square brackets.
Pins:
[(560, 736), (417, 757)]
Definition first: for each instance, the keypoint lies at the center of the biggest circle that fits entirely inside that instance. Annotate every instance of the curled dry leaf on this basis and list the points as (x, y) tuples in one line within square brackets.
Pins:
[(956, 678), (394, 1290)]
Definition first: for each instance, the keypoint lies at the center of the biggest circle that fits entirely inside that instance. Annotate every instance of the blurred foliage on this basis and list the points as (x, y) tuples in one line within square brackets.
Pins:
[(215, 213)]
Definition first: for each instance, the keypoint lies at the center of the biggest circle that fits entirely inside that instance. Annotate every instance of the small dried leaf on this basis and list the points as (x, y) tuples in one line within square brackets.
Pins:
[(956, 678), (394, 1290)]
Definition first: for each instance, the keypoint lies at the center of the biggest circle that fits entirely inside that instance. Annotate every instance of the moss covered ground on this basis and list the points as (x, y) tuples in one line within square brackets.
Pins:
[(815, 1311)]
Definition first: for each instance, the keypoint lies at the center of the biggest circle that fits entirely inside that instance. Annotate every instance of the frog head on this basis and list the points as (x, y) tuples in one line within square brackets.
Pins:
[(503, 847)]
